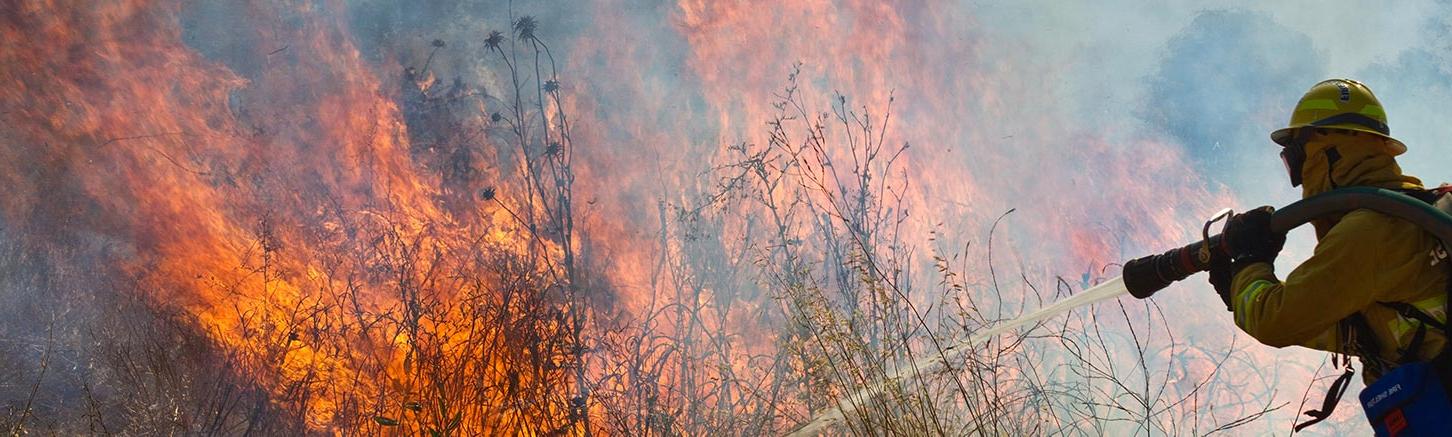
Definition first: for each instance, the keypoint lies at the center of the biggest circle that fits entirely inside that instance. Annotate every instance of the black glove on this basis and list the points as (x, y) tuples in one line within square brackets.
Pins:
[(1249, 238), (1220, 276)]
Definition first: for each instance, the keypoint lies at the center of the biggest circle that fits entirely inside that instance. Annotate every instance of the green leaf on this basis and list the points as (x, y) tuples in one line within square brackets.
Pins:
[(415, 406), (385, 421)]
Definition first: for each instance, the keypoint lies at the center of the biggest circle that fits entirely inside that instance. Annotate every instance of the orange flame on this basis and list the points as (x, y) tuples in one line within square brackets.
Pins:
[(275, 195)]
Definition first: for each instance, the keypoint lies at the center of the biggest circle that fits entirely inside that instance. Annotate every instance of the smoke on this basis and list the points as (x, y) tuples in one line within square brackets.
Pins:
[(1112, 128), (1220, 87), (1083, 117), (1414, 85)]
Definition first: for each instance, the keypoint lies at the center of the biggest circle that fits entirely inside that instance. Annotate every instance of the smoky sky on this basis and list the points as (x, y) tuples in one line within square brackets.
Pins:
[(1415, 87), (1206, 82), (1221, 77)]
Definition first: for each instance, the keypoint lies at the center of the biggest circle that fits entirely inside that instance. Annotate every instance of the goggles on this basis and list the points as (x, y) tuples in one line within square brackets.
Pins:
[(1294, 157)]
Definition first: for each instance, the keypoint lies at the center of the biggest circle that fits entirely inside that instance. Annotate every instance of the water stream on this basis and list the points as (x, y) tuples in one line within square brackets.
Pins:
[(936, 363)]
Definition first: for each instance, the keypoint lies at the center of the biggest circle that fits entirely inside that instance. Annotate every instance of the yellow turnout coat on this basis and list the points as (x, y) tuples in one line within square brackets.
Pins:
[(1362, 260)]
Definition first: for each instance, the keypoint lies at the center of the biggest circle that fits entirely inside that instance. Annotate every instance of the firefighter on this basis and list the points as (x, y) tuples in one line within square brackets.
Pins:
[(1375, 287)]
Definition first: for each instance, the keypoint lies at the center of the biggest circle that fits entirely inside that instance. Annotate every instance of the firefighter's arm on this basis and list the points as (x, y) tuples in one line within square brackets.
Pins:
[(1334, 283)]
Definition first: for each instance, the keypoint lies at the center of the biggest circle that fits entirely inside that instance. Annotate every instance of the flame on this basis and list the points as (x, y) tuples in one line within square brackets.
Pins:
[(274, 208), (278, 194)]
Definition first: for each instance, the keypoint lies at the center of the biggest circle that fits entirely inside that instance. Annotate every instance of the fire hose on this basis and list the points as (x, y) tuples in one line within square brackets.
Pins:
[(1147, 275)]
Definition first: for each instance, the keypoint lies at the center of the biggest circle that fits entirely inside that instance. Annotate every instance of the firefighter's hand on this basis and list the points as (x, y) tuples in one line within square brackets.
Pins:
[(1250, 238), (1221, 275)]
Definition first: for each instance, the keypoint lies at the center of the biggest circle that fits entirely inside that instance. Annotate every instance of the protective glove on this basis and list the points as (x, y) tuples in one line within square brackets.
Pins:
[(1248, 240), (1221, 275), (1249, 237)]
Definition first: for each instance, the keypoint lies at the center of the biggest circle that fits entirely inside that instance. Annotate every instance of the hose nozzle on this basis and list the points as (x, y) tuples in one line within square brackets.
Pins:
[(1147, 275)]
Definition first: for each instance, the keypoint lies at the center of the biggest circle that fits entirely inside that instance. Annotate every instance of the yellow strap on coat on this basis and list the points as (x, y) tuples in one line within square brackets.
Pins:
[(1245, 303)]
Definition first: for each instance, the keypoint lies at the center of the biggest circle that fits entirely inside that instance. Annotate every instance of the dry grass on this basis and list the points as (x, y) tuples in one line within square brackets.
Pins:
[(783, 283)]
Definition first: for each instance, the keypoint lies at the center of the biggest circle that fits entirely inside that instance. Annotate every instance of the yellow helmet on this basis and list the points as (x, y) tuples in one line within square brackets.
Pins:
[(1339, 104)]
